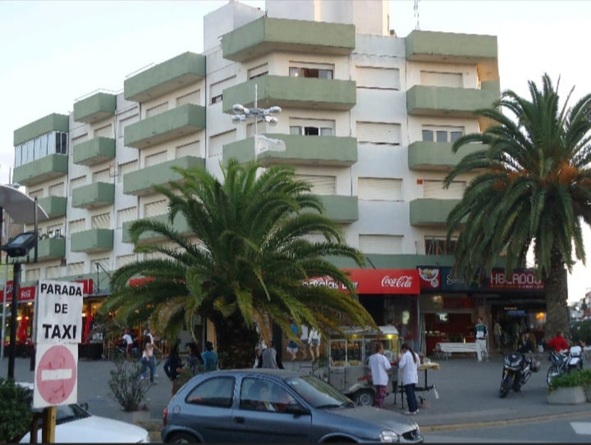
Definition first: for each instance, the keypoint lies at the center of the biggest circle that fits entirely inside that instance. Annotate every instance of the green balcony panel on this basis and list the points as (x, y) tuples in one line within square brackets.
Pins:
[(172, 124), (300, 150), (92, 196), (94, 151), (180, 224), (437, 156), (342, 209), (41, 170), (95, 108), (47, 124), (54, 206), (430, 212), (165, 77), (424, 100), (51, 249), (293, 92), (141, 182), (267, 35), (447, 47), (93, 240)]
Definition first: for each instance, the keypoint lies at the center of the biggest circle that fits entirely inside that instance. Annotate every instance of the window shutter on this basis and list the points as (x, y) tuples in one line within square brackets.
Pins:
[(102, 221), (126, 215), (101, 176), (218, 141), (156, 208), (56, 190), (157, 109), (434, 189), (378, 133), (104, 132), (156, 158), (442, 79), (76, 226), (383, 244), (379, 78), (190, 149), (321, 185), (76, 268), (124, 260), (378, 189), (190, 98)]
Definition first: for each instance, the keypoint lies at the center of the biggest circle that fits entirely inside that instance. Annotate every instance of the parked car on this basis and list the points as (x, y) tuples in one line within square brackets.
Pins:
[(74, 424), (272, 406)]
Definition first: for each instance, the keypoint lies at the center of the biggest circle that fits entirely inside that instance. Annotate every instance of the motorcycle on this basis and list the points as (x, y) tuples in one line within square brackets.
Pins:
[(564, 362), (517, 369)]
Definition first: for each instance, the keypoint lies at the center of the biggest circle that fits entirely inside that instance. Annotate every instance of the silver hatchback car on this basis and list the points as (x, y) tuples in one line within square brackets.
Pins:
[(273, 406)]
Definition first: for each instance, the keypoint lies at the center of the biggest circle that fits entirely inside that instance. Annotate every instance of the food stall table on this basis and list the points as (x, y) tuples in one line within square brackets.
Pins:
[(425, 367)]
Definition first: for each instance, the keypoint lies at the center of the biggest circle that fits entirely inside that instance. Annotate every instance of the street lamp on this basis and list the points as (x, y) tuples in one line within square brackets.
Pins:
[(22, 209), (242, 113)]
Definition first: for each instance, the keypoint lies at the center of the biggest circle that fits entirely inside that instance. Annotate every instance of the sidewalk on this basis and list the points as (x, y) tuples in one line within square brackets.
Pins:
[(468, 394)]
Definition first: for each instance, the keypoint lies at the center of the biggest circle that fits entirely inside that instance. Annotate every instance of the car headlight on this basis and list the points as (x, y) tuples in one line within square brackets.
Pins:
[(388, 436)]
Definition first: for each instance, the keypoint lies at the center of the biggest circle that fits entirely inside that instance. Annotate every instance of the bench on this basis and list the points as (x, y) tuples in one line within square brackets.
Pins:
[(445, 349)]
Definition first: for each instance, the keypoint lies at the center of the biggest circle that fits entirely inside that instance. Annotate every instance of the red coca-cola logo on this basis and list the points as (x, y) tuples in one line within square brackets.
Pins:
[(403, 281)]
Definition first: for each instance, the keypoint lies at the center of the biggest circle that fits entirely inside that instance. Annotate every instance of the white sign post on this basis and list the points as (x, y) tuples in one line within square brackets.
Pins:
[(58, 332)]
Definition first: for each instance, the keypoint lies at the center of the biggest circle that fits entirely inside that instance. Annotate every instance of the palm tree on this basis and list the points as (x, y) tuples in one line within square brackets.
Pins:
[(532, 189), (256, 238)]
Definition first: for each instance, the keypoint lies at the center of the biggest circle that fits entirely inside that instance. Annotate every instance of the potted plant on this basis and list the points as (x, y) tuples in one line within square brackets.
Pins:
[(570, 388), (15, 411)]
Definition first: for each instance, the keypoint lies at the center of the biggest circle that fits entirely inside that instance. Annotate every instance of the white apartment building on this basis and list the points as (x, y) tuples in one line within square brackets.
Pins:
[(367, 117)]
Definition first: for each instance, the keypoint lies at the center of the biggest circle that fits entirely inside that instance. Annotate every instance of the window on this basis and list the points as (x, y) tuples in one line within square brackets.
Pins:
[(312, 70), (123, 260), (126, 168), (378, 78), (156, 158), (76, 226), (76, 268), (189, 149), (321, 185), (381, 244), (125, 215), (105, 132), (77, 182), (258, 71), (379, 189), (125, 122), (189, 98), (437, 79), (216, 392), (55, 142), (311, 127), (102, 221), (217, 99), (101, 176), (435, 189), (217, 142), (261, 395), (435, 245), (156, 208), (380, 133), (216, 92), (157, 109), (433, 133), (56, 189)]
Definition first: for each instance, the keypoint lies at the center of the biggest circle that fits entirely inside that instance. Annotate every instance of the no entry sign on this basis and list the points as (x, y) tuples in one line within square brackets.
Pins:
[(55, 375)]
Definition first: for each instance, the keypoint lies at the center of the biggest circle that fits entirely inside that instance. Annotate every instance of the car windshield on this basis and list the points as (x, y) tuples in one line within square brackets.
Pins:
[(318, 393), (67, 413)]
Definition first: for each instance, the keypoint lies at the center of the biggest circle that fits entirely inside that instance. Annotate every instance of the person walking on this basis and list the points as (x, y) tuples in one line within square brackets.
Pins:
[(481, 332), (173, 364), (128, 341), (379, 366), (304, 340), (498, 333), (292, 346), (210, 357), (148, 362), (409, 365), (314, 339), (270, 359)]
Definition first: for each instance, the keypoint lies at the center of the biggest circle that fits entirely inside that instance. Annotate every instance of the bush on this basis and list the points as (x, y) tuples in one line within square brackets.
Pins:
[(572, 379), (15, 411), (581, 331), (125, 385)]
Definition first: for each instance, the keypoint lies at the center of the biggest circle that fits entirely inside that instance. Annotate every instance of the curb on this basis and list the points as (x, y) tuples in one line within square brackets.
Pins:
[(494, 423)]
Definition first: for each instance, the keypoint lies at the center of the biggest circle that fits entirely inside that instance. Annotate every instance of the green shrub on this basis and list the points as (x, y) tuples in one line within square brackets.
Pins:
[(572, 379), (125, 385), (581, 331), (15, 411)]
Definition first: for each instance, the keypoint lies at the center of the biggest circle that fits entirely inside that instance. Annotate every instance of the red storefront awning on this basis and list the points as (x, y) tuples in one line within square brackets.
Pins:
[(25, 294), (376, 281)]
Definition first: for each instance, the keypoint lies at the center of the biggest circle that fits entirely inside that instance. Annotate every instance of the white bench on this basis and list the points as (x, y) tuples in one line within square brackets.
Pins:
[(445, 349)]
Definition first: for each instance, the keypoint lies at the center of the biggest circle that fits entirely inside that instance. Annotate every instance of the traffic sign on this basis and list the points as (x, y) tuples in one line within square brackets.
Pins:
[(59, 312), (56, 372)]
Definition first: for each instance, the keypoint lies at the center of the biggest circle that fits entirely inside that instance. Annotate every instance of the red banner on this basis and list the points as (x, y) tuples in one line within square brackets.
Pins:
[(24, 293), (376, 281), (87, 286)]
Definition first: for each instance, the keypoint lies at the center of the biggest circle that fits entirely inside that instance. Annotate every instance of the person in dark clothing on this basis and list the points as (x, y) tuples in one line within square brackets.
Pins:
[(270, 358), (526, 344), (195, 359), (174, 364)]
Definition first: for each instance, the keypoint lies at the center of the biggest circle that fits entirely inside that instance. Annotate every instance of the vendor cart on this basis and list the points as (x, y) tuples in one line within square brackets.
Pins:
[(348, 360)]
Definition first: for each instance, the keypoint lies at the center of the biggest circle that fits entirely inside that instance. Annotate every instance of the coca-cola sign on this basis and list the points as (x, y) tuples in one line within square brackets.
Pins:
[(376, 281), (26, 293)]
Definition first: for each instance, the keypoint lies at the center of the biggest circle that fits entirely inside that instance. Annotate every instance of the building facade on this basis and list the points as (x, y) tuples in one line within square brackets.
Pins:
[(367, 117)]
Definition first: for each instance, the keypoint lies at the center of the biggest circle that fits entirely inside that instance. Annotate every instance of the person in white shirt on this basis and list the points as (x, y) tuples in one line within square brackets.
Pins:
[(408, 364), (314, 339), (379, 366), (128, 343)]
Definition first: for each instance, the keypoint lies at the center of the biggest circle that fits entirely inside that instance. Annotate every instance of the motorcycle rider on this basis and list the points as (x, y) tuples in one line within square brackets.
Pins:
[(558, 343), (526, 343)]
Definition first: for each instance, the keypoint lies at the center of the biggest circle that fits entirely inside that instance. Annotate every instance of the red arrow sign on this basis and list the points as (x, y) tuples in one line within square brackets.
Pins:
[(55, 376)]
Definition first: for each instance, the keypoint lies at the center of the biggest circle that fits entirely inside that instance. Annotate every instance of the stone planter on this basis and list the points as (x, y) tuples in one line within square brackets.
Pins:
[(567, 396)]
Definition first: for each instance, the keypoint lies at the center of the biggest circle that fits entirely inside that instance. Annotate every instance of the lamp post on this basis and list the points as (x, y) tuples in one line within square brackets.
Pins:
[(241, 113), (23, 210)]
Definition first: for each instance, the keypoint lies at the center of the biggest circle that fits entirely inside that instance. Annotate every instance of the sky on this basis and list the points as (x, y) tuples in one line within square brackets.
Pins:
[(54, 52)]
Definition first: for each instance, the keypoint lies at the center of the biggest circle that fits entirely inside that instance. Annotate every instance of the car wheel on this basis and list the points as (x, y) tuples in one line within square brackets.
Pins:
[(182, 438), (364, 397)]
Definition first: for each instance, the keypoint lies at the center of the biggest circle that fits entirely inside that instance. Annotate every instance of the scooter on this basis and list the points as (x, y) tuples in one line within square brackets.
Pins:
[(517, 369), (564, 362)]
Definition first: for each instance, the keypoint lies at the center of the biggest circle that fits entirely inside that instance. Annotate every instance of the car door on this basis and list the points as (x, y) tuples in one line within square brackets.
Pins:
[(261, 414), (207, 408)]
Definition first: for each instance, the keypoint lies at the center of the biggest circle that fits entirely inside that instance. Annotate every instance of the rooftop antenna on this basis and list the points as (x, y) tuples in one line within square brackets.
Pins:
[(416, 9)]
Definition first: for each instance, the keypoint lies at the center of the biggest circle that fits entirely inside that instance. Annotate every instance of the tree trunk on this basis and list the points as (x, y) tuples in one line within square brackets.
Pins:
[(236, 342), (556, 295)]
